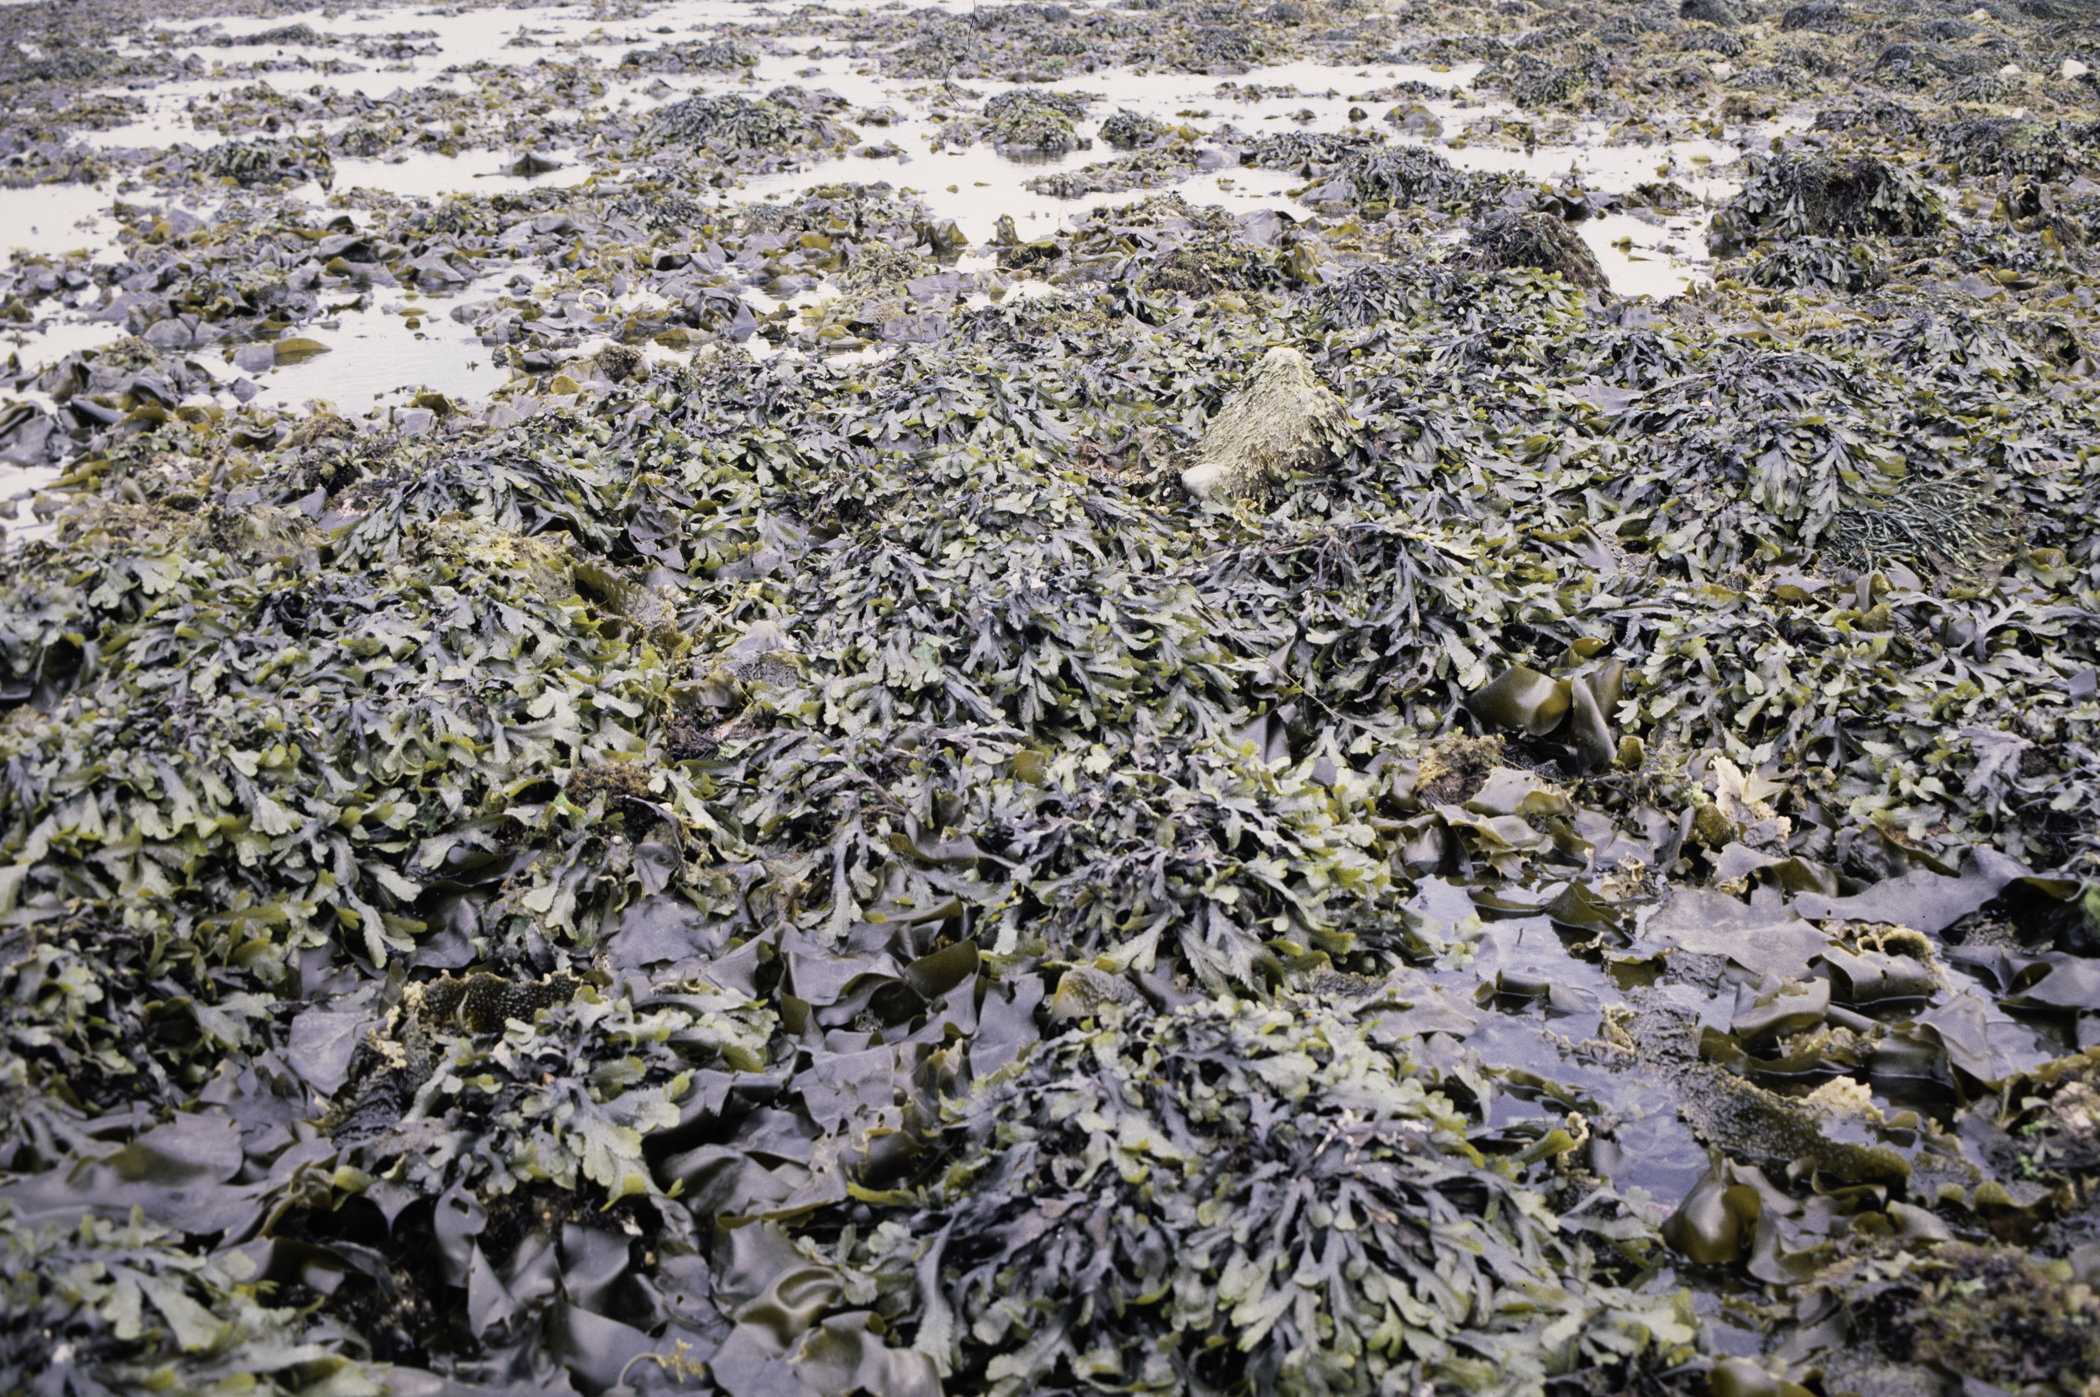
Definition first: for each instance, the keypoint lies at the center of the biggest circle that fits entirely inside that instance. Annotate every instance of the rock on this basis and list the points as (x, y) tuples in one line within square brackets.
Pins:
[(171, 333), (1085, 992), (255, 358), (2072, 70), (1285, 419), (762, 657)]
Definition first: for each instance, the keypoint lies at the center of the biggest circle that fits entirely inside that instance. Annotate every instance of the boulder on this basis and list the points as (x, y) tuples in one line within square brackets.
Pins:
[(1283, 420)]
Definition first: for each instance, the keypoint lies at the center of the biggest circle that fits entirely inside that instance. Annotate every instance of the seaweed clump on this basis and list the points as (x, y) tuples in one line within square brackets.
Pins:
[(1400, 174), (123, 1301), (1225, 1192), (2008, 148), (1128, 130), (1800, 196), (729, 120), (575, 888), (1946, 528), (1034, 119), (259, 162), (1989, 1311), (1540, 240)]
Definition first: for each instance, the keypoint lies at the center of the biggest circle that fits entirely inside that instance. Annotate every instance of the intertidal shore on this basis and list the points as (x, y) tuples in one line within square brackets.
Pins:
[(1188, 697)]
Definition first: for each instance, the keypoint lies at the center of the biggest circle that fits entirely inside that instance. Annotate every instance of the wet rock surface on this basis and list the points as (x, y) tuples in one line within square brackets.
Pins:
[(1302, 697)]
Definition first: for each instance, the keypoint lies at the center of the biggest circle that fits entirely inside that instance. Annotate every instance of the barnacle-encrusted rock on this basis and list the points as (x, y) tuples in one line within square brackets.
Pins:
[(1084, 991), (1285, 419), (760, 660), (396, 1057)]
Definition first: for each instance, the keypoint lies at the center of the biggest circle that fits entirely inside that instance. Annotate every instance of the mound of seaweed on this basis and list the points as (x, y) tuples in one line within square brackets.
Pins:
[(674, 801), (734, 122), (1801, 196), (1224, 1194), (1034, 119)]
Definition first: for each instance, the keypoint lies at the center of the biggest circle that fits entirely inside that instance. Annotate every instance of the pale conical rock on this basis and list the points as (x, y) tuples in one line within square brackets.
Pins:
[(1285, 419)]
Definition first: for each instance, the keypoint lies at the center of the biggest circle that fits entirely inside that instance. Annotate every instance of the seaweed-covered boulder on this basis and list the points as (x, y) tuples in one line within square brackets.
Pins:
[(1232, 1194), (1220, 49), (1400, 175), (1555, 85), (1034, 119), (1129, 130), (1817, 264), (942, 51), (1369, 294), (2030, 150), (1207, 263), (1972, 1309), (361, 140), (1820, 16), (714, 55), (1797, 196), (1309, 152), (1285, 419), (261, 162), (728, 120), (1540, 240)]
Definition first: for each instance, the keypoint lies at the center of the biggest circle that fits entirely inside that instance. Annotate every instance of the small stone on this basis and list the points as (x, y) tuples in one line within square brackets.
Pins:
[(1200, 480), (2073, 70)]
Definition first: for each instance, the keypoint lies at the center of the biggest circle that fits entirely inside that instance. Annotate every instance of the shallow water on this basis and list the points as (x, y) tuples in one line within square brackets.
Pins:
[(376, 362), (52, 219)]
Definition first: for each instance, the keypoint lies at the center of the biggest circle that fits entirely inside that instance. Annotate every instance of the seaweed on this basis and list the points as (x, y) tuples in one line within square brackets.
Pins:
[(1787, 198), (1222, 1195), (1540, 240), (1197, 797)]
